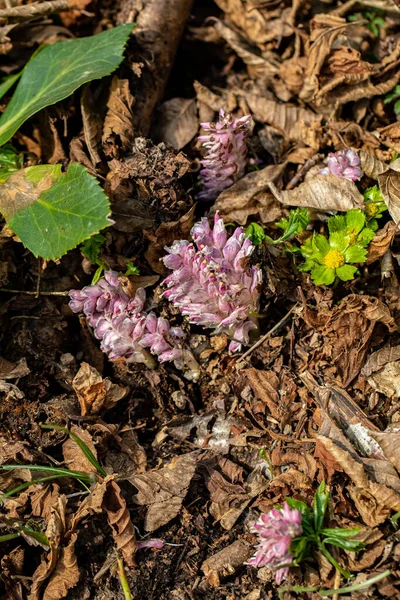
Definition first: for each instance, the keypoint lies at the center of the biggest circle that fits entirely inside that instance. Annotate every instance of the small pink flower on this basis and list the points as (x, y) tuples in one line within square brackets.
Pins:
[(212, 284), (344, 164), (276, 531), (225, 161), (126, 330)]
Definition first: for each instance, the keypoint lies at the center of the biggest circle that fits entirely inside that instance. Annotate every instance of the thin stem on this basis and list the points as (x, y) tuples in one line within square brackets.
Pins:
[(356, 586), (27, 484), (59, 471), (123, 579), (329, 556), (9, 536)]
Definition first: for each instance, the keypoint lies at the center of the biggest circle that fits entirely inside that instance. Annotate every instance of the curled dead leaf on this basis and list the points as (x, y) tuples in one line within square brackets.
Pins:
[(383, 371), (119, 117), (389, 183), (66, 573), (95, 393), (250, 196), (323, 192), (372, 513), (120, 522), (296, 124), (381, 242)]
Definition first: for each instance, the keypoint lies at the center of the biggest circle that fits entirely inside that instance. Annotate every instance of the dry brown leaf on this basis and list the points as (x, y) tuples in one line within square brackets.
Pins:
[(163, 491), (225, 562), (54, 530), (265, 386), (129, 458), (378, 477), (70, 17), (371, 165), (92, 504), (296, 124), (95, 393), (324, 31), (390, 136), (330, 465), (323, 192), (74, 457), (177, 123), (210, 103), (92, 125), (164, 235), (381, 242), (259, 66), (372, 513), (119, 117), (257, 27), (120, 522), (250, 196), (66, 573), (43, 499), (9, 370), (389, 183), (15, 451)]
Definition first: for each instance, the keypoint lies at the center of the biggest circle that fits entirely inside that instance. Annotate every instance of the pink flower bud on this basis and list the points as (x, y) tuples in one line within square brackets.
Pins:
[(344, 164)]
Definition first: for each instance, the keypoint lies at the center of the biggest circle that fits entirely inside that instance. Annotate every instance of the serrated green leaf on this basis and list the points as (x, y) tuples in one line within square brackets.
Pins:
[(355, 254), (132, 269), (58, 70), (355, 220), (346, 272), (92, 246), (53, 212), (337, 223), (366, 235), (321, 275)]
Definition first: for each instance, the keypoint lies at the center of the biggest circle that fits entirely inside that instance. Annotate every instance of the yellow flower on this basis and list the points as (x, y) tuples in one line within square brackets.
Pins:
[(334, 259)]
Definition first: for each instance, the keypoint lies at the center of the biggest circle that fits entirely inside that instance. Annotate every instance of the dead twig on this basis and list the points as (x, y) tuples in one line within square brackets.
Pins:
[(37, 9), (33, 293), (311, 162), (265, 337)]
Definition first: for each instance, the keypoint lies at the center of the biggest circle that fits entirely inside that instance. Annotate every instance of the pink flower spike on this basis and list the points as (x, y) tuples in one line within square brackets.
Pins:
[(276, 531), (216, 288), (344, 164), (225, 161)]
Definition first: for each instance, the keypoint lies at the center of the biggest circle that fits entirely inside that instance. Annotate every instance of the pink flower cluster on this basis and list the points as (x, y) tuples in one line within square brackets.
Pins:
[(344, 164), (276, 530), (126, 330), (211, 282), (225, 161)]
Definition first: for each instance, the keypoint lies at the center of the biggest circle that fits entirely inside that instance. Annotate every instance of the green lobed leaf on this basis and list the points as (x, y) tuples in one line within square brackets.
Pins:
[(256, 233), (355, 220), (58, 70), (355, 254), (322, 275), (53, 212), (346, 272), (320, 505)]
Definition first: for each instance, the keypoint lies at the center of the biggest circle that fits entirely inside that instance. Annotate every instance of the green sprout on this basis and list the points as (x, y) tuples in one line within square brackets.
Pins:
[(374, 18), (315, 534), (10, 161), (374, 206), (394, 95), (336, 257), (91, 249), (131, 269), (294, 225)]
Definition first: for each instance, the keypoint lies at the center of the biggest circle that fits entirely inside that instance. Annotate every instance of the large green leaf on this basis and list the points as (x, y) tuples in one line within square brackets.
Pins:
[(53, 212), (58, 70)]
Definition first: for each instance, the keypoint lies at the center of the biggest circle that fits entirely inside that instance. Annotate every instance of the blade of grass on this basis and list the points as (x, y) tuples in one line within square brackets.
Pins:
[(84, 447), (9, 536), (26, 484), (55, 470)]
